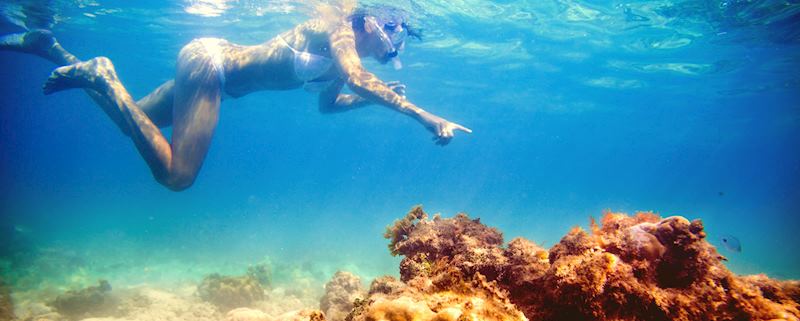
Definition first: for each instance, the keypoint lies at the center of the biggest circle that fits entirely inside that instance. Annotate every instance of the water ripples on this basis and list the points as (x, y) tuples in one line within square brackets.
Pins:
[(672, 38)]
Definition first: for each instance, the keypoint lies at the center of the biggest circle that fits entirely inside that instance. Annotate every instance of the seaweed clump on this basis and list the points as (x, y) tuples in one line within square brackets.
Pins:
[(639, 267), (92, 301), (434, 285), (230, 292), (450, 297)]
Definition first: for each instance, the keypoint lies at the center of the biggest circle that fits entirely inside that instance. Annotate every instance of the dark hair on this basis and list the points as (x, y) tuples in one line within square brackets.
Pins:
[(386, 14)]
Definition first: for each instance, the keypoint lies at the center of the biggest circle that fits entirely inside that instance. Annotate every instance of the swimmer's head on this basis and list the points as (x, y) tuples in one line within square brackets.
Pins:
[(381, 33)]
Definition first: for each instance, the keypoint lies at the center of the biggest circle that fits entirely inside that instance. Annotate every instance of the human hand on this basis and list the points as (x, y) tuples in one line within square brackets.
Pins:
[(443, 130), (397, 87)]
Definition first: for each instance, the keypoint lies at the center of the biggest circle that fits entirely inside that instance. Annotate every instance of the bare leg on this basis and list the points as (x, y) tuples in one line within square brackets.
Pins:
[(157, 105), (38, 42), (197, 94)]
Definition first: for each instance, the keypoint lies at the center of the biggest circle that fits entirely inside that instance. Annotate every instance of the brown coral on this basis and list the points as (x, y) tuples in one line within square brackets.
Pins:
[(637, 267), (229, 292), (340, 293), (451, 297), (470, 245), (444, 273)]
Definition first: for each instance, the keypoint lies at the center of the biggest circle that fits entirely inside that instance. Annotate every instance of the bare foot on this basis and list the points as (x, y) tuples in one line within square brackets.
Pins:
[(90, 74)]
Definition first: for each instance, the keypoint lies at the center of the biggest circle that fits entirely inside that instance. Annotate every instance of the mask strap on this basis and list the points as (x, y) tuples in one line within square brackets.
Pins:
[(381, 33)]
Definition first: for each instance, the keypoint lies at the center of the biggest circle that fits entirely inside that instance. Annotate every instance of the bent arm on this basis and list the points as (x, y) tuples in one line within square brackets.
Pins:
[(361, 81), (369, 87), (331, 100)]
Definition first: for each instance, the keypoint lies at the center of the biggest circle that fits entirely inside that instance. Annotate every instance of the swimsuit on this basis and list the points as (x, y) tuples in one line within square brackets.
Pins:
[(309, 67), (213, 47)]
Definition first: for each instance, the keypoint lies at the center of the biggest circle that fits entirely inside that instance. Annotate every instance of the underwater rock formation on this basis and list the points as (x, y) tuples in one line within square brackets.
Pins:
[(92, 301), (247, 314), (637, 267), (262, 273), (145, 304), (230, 292), (340, 293), (451, 296), (444, 274), (6, 306)]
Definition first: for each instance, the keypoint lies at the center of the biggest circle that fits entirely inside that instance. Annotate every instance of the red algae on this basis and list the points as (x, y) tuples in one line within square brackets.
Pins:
[(640, 267)]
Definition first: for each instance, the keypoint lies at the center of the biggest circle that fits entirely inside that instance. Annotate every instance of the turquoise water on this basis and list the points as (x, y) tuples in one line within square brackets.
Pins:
[(685, 108)]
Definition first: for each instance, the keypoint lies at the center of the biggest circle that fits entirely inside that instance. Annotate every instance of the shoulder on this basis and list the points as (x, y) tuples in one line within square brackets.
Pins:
[(324, 27), (317, 27)]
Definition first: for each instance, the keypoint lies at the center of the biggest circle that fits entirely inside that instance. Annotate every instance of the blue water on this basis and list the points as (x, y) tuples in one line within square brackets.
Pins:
[(685, 108)]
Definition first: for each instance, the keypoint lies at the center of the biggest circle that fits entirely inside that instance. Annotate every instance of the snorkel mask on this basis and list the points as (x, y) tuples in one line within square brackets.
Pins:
[(393, 36)]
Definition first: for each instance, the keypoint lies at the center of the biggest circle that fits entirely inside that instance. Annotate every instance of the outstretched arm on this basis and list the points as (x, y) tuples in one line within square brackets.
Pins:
[(368, 86)]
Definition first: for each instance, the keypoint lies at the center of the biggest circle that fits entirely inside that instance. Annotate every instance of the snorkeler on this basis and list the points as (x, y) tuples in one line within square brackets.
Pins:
[(319, 55)]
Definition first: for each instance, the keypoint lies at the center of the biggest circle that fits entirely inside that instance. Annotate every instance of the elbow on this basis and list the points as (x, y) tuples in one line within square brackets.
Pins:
[(358, 86)]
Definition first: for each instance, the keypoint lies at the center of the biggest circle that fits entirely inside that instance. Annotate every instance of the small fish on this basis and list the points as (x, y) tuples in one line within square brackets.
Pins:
[(731, 243)]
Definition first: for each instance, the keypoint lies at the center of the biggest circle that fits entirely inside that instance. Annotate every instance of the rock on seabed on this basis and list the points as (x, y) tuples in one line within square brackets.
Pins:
[(639, 267)]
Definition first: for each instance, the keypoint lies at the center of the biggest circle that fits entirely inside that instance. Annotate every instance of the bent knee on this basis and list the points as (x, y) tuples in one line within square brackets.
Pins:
[(101, 63), (180, 185), (177, 182)]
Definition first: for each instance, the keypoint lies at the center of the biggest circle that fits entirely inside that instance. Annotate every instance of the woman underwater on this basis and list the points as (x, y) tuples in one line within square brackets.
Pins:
[(316, 54)]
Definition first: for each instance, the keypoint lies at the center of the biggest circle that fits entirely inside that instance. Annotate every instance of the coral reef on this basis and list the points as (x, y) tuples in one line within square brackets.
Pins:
[(340, 293), (451, 296), (637, 267), (230, 292), (465, 244), (444, 274), (623, 268), (89, 301)]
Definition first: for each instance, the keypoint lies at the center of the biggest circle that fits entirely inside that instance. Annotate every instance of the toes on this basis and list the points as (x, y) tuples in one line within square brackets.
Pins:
[(49, 86), (56, 82), (66, 77)]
